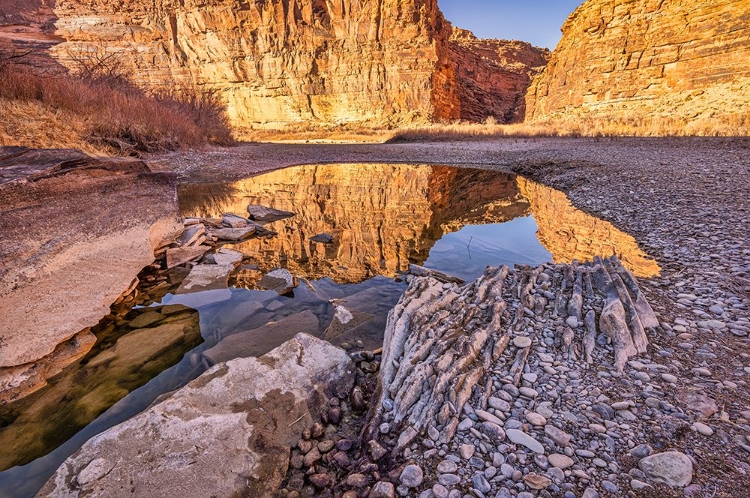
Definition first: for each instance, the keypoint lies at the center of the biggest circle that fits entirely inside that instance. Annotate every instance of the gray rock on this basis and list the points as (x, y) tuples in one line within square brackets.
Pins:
[(671, 468), (481, 483), (322, 238), (640, 451), (209, 426), (520, 437), (411, 476), (559, 436), (439, 491), (520, 341), (590, 493), (265, 214), (448, 480), (279, 280), (447, 467)]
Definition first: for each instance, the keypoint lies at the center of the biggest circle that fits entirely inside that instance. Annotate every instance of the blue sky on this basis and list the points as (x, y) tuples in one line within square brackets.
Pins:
[(534, 21)]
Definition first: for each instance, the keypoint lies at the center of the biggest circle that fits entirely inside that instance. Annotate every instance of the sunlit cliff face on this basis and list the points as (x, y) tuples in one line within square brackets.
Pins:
[(383, 217)]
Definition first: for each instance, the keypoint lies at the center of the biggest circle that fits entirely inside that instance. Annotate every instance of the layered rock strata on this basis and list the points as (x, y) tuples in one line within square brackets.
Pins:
[(277, 63), (638, 61), (442, 339), (227, 433), (493, 75), (305, 63)]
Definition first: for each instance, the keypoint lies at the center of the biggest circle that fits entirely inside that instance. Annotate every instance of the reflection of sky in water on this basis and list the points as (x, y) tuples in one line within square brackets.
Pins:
[(467, 252)]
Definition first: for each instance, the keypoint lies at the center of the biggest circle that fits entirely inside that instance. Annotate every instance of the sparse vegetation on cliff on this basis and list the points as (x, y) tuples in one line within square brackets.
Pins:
[(102, 115)]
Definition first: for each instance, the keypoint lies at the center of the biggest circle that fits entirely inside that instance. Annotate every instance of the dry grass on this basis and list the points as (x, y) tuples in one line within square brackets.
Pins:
[(727, 125), (44, 110)]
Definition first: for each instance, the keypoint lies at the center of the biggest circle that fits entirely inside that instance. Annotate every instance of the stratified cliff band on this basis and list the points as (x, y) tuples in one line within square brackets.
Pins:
[(303, 62), (641, 61)]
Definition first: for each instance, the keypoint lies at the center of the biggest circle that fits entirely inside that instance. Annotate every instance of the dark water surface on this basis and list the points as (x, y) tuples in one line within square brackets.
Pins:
[(381, 217)]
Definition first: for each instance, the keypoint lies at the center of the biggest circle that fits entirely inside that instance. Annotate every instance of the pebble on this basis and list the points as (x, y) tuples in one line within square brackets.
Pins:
[(520, 341), (411, 476), (498, 404), (447, 467), (520, 437), (559, 436), (480, 483), (560, 461), (669, 378), (448, 480), (488, 417), (467, 451), (536, 481), (670, 467), (382, 489), (702, 428), (536, 419), (440, 491)]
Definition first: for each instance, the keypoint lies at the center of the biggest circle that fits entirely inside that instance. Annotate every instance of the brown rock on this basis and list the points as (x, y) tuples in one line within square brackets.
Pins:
[(493, 75), (535, 481), (180, 255), (635, 61)]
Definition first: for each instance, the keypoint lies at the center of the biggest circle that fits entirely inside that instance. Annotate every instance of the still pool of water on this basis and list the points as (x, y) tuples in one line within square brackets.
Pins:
[(382, 218)]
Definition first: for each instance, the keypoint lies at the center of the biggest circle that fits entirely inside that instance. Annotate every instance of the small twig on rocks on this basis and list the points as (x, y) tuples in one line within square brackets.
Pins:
[(300, 418)]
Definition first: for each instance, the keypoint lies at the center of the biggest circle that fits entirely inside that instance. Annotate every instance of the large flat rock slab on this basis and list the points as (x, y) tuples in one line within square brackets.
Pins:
[(227, 433), (75, 232)]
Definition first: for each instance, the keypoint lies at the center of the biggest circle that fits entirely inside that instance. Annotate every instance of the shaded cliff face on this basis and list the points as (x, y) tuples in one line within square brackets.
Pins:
[(382, 217), (280, 62), (492, 76), (631, 59)]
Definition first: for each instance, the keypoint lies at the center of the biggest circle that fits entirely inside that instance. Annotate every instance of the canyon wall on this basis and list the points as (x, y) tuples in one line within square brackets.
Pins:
[(279, 62), (302, 64), (492, 76), (637, 61)]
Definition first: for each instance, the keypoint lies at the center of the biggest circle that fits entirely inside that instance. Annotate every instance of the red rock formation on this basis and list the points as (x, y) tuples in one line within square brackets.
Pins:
[(634, 60), (493, 75)]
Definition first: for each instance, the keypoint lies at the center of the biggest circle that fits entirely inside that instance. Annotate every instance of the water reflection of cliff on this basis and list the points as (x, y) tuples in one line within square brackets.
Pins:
[(382, 217), (569, 233)]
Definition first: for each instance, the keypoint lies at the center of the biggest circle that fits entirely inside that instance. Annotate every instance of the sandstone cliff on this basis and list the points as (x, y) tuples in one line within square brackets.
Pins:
[(649, 61), (281, 62), (306, 63), (492, 76)]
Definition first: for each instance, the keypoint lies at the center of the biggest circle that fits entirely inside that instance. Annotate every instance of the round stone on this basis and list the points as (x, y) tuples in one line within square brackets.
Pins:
[(702, 429), (536, 419), (520, 341), (560, 461), (411, 476), (447, 467)]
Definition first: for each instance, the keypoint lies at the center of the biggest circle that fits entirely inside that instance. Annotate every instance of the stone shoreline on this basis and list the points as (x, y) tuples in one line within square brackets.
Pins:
[(685, 201)]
